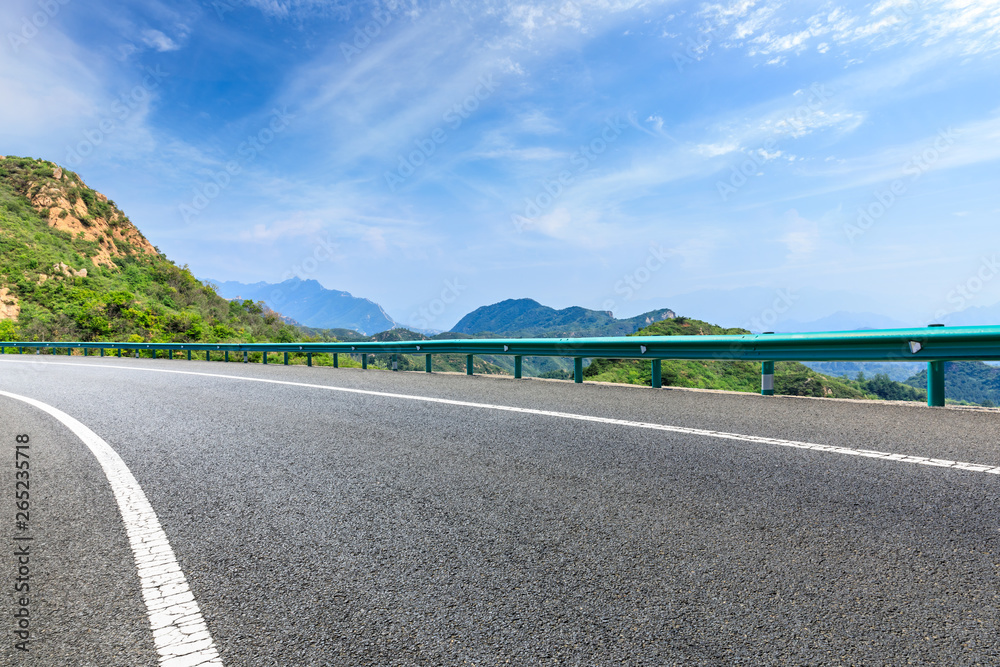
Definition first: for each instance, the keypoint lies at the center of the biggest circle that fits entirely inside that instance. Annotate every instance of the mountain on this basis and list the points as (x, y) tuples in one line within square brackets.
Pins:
[(974, 316), (969, 381), (74, 267), (312, 305), (526, 318), (842, 321)]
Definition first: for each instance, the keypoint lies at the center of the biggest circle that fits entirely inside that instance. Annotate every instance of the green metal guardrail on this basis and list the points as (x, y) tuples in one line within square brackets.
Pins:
[(935, 345)]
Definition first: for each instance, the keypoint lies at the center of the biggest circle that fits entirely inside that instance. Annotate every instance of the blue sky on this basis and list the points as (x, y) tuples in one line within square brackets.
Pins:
[(615, 154)]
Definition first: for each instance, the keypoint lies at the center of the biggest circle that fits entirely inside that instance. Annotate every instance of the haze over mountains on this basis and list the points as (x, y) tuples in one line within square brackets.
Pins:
[(309, 303)]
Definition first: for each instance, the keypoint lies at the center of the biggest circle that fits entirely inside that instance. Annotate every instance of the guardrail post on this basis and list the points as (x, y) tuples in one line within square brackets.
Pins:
[(364, 362), (336, 360), (119, 353), (468, 364), (935, 384), (208, 355), (395, 362), (767, 378), (578, 370), (517, 367), (189, 355), (246, 356), (85, 351), (657, 381), (286, 358), (102, 351), (428, 364), (227, 355), (935, 380), (265, 356), (309, 359)]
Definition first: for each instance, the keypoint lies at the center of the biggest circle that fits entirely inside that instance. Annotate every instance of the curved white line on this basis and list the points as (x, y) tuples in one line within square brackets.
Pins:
[(179, 632), (848, 451)]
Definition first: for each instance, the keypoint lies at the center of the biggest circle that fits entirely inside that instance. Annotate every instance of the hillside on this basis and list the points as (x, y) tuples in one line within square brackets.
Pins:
[(312, 305), (790, 378), (899, 371), (74, 267), (968, 381), (526, 318)]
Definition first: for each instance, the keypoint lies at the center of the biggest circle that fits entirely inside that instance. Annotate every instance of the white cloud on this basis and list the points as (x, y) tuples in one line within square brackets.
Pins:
[(159, 41), (717, 149), (964, 27), (283, 9), (283, 229)]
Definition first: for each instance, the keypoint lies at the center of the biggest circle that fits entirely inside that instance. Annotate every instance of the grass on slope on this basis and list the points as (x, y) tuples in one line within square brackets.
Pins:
[(140, 298)]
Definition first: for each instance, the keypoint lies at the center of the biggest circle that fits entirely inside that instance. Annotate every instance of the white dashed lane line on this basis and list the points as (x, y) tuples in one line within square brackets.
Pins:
[(831, 449), (180, 635)]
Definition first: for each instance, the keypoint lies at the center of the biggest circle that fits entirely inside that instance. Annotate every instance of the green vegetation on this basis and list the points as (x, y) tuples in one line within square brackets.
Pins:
[(790, 378), (900, 371), (141, 297), (966, 382)]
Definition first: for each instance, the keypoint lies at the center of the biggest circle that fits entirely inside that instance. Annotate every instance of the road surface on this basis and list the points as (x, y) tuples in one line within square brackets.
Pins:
[(323, 516)]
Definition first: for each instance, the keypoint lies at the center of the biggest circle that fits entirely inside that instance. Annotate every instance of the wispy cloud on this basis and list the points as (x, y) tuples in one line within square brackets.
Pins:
[(159, 41)]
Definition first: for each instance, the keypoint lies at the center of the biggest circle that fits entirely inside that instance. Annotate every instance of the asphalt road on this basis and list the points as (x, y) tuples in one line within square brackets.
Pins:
[(320, 527)]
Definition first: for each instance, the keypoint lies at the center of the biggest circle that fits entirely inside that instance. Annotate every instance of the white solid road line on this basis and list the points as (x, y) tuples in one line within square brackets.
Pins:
[(179, 632), (833, 449)]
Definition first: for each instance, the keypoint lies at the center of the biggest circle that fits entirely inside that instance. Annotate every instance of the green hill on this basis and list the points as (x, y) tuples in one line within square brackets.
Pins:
[(899, 371), (966, 381), (74, 267), (790, 378), (526, 318)]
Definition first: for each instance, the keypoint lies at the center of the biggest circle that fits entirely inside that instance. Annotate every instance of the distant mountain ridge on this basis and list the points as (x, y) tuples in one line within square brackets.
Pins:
[(527, 317), (312, 305)]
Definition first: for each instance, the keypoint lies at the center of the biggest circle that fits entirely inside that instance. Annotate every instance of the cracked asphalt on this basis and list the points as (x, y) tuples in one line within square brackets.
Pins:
[(319, 527)]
